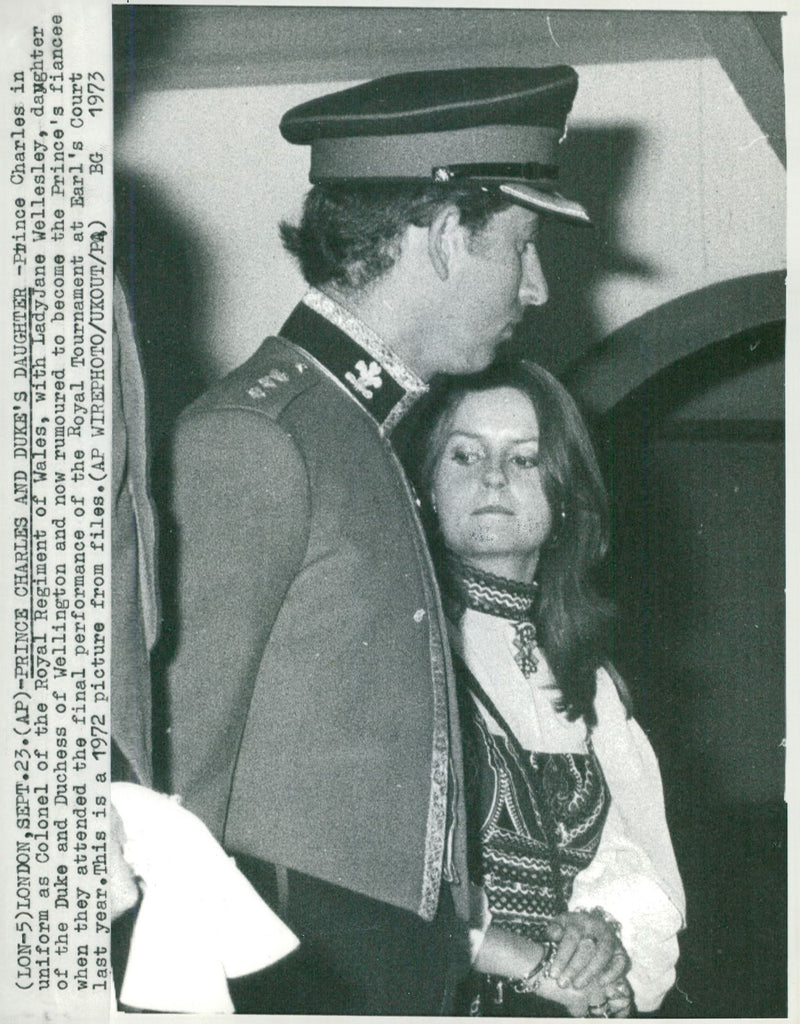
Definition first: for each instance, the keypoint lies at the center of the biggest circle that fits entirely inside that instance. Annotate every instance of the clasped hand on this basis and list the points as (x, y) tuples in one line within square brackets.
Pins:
[(591, 958)]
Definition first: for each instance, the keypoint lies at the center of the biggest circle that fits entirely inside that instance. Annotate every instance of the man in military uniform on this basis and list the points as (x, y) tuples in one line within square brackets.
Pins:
[(312, 711)]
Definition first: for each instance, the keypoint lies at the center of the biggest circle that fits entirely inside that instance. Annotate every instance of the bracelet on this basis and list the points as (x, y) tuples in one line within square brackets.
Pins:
[(531, 981)]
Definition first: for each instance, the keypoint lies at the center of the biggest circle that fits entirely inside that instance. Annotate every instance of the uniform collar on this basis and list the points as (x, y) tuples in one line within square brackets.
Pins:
[(359, 360)]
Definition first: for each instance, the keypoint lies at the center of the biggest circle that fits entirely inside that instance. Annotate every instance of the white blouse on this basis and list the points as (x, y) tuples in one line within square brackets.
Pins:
[(633, 876)]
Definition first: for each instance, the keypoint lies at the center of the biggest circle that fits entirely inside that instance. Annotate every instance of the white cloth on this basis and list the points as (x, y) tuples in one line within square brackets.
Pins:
[(634, 875), (200, 921)]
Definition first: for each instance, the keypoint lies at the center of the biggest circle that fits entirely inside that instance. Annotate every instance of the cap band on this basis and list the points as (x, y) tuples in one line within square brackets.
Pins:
[(397, 157), (527, 172)]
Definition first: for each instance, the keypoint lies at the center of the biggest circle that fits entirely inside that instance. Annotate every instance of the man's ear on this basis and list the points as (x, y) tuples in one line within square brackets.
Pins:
[(446, 236)]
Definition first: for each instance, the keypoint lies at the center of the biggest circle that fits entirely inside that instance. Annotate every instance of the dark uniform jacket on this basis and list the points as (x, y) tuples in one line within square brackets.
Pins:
[(311, 691)]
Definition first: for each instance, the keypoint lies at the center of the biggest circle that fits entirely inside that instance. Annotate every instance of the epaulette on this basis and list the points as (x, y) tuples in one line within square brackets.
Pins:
[(273, 376)]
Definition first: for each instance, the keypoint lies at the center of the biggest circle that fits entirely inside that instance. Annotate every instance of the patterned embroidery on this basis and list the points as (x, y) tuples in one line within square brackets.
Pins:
[(465, 586), (541, 819), (525, 644), (366, 338), (368, 379), (380, 368), (484, 591)]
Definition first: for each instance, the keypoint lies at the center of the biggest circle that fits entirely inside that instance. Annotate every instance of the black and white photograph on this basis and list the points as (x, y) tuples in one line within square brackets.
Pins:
[(396, 529)]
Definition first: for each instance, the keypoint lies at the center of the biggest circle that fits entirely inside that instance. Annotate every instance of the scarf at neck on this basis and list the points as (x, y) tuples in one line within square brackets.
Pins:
[(465, 586)]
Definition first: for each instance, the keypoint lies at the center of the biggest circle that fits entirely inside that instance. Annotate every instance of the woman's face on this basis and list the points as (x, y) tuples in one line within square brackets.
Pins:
[(487, 488)]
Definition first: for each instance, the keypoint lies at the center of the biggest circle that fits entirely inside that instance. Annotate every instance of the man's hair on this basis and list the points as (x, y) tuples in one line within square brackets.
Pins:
[(571, 616), (349, 235)]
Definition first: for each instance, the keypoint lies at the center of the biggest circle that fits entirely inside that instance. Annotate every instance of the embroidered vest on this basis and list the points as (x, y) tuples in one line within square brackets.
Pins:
[(534, 819)]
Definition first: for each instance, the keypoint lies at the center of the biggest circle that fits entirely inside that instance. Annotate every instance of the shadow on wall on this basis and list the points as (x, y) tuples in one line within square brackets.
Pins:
[(157, 261), (597, 168), (143, 36), (165, 273), (161, 265), (170, 279)]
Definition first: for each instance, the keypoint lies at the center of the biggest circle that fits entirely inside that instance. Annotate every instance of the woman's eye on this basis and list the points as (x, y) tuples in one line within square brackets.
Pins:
[(465, 456), (525, 461)]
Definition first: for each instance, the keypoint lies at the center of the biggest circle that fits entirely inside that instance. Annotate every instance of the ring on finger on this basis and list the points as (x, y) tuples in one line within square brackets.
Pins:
[(622, 1009), (598, 1009)]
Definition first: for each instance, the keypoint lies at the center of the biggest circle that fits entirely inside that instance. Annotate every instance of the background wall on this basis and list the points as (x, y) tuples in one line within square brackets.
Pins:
[(697, 569)]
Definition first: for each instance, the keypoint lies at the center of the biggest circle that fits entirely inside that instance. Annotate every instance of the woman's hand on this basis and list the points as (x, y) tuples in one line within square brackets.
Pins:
[(619, 998), (513, 956), (592, 1001), (614, 1000), (589, 951)]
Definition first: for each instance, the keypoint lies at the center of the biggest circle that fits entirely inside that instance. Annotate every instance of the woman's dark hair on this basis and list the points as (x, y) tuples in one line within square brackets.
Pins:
[(349, 235), (571, 616)]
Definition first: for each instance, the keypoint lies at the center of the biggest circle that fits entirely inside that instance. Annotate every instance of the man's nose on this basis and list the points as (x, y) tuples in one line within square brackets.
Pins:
[(533, 290)]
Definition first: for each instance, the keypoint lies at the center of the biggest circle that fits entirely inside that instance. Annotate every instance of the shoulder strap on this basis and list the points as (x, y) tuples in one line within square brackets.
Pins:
[(276, 373), (280, 372), (465, 675), (541, 810)]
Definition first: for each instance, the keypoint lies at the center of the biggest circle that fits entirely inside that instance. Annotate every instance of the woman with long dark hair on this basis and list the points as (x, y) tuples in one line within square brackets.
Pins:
[(578, 899)]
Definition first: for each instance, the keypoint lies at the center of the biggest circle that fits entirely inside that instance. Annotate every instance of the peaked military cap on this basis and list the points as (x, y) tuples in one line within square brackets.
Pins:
[(498, 127)]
